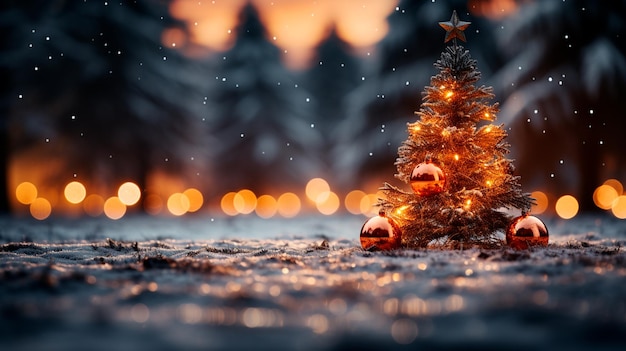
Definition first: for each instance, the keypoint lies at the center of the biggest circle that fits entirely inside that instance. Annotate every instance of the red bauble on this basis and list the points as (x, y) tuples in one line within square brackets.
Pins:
[(380, 233), (427, 179), (527, 231)]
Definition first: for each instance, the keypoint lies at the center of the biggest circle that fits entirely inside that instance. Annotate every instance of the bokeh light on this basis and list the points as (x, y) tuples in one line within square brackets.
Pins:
[(178, 204), (367, 205), (26, 193), (619, 207), (227, 204), (153, 204), (129, 193), (566, 206), (40, 208), (329, 205), (289, 205), (352, 201), (317, 190), (604, 195), (542, 202), (93, 205), (75, 192), (266, 206), (114, 208), (245, 201), (616, 184), (196, 200)]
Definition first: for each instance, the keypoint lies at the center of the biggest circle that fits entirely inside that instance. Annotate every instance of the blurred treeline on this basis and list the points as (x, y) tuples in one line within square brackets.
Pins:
[(90, 91)]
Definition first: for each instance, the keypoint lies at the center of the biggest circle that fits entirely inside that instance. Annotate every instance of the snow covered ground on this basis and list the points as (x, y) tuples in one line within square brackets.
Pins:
[(302, 284)]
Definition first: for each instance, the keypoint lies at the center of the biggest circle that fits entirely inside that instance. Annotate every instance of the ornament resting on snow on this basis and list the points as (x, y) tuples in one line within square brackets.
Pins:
[(427, 179), (380, 233), (527, 231)]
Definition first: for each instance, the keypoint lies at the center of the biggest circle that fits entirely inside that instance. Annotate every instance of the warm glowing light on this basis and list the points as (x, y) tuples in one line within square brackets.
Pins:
[(289, 205), (352, 201), (456, 157), (488, 129), (266, 206), (442, 87), (489, 183), (75, 192), (26, 193), (368, 203), (93, 205), (195, 199), (449, 94), (129, 193), (227, 204), (445, 133), (329, 205), (114, 208), (619, 207), (468, 203), (245, 201), (566, 207), (178, 204), (153, 204), (401, 209), (487, 115), (542, 202), (616, 184), (40, 208), (604, 195), (317, 190)]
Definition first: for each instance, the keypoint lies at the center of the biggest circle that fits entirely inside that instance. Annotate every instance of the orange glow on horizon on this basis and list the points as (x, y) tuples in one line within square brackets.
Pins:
[(296, 27), (153, 204)]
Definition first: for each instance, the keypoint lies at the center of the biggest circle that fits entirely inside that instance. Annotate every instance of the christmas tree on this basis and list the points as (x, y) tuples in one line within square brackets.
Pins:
[(455, 160)]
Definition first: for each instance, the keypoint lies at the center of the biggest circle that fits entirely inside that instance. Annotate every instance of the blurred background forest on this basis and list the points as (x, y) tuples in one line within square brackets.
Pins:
[(207, 98)]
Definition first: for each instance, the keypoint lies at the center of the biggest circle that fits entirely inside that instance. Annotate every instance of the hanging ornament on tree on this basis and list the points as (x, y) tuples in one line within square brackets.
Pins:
[(380, 233), (427, 179), (526, 231)]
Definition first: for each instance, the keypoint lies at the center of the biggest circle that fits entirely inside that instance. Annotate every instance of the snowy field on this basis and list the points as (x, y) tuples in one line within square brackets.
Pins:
[(302, 284)]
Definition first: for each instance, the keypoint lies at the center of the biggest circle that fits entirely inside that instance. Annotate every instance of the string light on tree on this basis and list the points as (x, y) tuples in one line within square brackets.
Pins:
[(462, 205)]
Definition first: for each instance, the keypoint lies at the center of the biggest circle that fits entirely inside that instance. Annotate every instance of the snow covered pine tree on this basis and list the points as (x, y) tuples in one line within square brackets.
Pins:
[(479, 180)]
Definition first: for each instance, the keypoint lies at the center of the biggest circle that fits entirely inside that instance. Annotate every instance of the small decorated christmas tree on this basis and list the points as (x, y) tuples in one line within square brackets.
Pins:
[(455, 160)]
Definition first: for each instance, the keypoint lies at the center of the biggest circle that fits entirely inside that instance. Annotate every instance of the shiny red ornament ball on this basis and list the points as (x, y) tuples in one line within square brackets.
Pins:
[(527, 231), (427, 179), (380, 233)]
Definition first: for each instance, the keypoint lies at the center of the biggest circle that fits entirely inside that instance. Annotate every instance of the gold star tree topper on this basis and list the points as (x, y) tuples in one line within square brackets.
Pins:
[(454, 28)]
